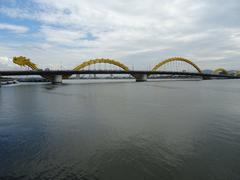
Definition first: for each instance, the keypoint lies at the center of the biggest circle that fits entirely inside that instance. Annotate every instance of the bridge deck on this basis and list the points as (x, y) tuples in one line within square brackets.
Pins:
[(71, 72)]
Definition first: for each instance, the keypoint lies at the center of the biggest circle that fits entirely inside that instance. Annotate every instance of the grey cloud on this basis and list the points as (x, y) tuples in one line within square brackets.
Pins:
[(137, 32)]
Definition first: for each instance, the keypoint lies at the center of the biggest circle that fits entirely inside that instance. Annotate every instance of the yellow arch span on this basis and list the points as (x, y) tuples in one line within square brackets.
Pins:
[(220, 70), (23, 61), (102, 60), (156, 67), (237, 73)]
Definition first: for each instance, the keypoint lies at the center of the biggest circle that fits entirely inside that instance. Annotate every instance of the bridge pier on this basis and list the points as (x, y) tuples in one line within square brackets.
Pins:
[(206, 78), (56, 79), (140, 77)]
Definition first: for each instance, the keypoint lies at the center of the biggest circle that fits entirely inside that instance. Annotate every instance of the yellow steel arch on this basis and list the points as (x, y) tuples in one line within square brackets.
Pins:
[(220, 70), (156, 67), (102, 60), (23, 61)]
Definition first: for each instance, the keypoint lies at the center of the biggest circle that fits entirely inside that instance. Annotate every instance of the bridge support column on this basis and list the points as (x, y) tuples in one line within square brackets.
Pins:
[(140, 77), (56, 79)]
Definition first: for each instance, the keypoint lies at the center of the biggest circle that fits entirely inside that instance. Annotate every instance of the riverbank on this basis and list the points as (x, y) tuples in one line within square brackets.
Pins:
[(7, 81)]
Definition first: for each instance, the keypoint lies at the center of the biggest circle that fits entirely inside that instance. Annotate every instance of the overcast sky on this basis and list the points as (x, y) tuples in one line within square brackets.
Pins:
[(136, 32)]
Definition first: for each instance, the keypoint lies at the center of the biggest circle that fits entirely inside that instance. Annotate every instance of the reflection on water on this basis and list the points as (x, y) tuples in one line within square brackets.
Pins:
[(92, 130)]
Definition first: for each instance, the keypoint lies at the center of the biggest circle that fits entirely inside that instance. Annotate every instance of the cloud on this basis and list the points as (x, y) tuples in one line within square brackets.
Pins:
[(13, 28), (6, 63), (5, 60), (61, 36), (136, 32)]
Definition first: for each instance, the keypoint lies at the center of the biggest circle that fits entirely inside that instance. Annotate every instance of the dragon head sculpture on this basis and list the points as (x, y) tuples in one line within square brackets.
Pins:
[(23, 61)]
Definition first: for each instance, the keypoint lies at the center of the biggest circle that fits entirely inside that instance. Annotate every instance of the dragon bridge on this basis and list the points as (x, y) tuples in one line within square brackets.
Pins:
[(23, 61)]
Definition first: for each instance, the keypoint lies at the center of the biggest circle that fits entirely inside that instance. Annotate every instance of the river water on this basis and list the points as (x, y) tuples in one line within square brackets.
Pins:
[(121, 130)]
